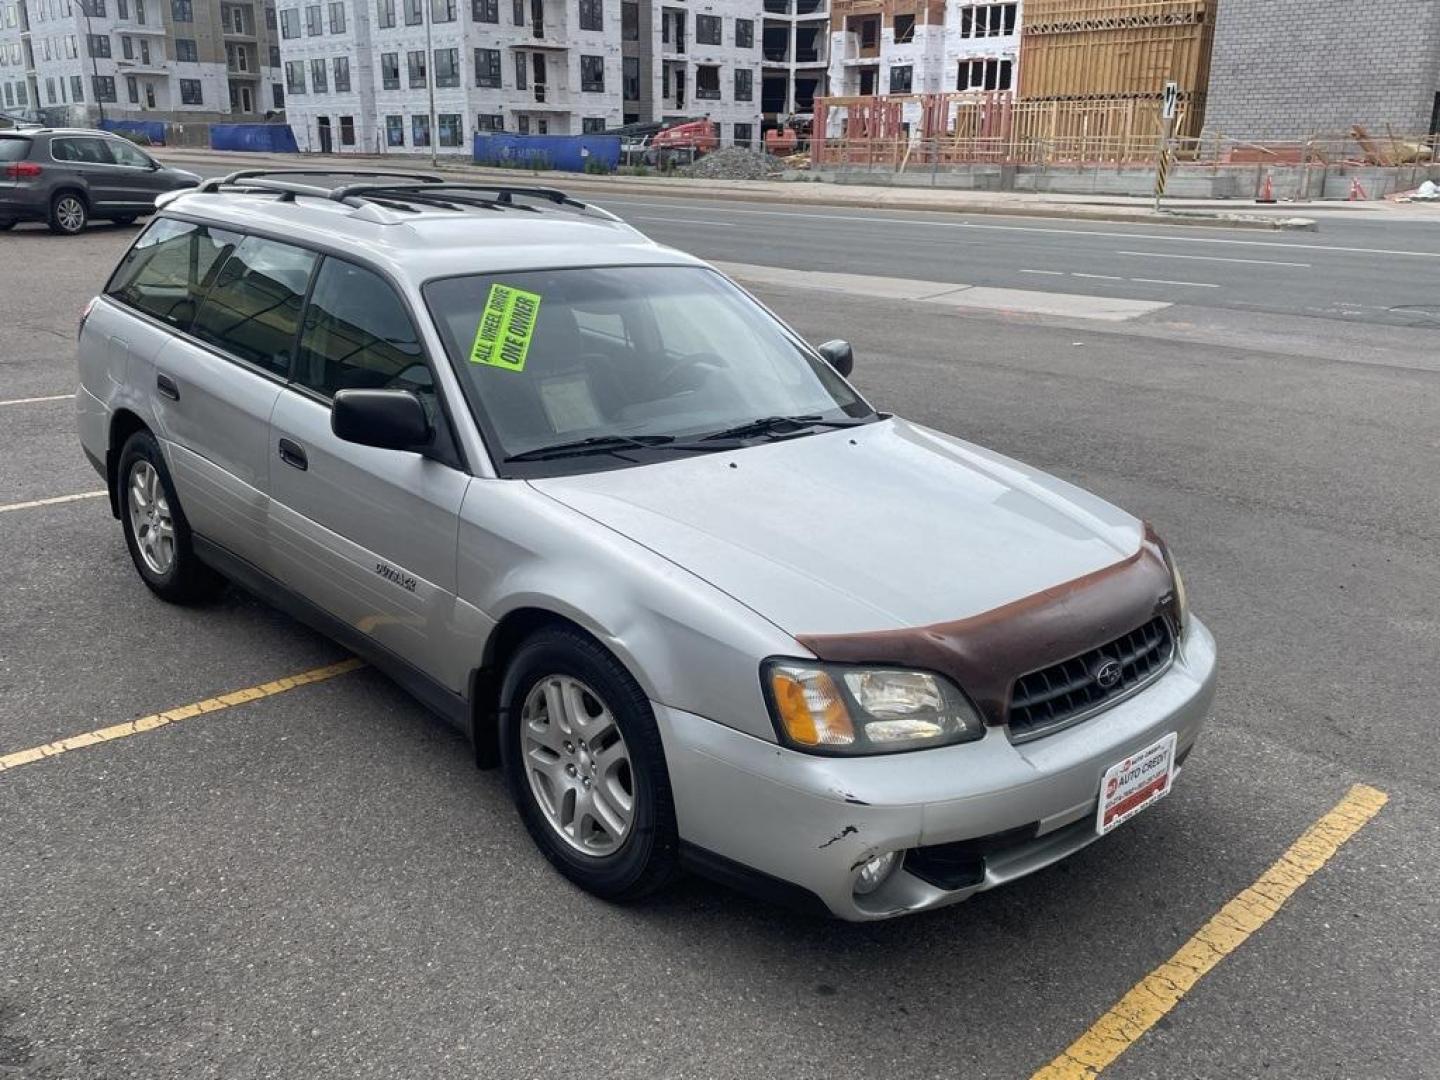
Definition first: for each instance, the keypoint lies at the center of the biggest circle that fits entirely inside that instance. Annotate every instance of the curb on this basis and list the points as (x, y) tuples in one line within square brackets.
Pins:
[(682, 189)]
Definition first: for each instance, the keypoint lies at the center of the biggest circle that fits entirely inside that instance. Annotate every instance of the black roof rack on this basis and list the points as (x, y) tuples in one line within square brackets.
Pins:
[(392, 189)]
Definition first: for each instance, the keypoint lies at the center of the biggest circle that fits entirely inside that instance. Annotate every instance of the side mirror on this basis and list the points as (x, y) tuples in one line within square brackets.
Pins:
[(839, 355), (389, 419)]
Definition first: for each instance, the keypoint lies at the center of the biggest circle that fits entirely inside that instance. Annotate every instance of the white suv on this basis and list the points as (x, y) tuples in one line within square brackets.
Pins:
[(590, 501)]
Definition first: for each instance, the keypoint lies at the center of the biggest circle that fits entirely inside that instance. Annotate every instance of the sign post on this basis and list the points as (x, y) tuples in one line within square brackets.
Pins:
[(1167, 125)]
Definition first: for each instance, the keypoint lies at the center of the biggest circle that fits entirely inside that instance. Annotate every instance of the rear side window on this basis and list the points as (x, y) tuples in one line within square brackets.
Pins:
[(13, 149), (170, 268), (358, 335), (83, 151), (253, 310)]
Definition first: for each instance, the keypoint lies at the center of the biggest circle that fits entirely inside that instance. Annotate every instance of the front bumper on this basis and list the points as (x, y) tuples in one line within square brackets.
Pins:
[(798, 820)]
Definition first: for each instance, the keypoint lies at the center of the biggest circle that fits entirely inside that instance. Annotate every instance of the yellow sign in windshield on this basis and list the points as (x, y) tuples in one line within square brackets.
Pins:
[(506, 327)]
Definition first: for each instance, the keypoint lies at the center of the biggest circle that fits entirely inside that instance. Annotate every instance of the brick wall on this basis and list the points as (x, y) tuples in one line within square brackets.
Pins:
[(1285, 69)]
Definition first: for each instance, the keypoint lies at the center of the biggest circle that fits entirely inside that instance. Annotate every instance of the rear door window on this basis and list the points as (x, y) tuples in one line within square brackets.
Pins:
[(253, 310), (13, 149), (81, 151), (170, 268)]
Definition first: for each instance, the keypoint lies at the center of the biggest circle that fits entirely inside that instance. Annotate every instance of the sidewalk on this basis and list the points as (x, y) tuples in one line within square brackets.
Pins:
[(1223, 213)]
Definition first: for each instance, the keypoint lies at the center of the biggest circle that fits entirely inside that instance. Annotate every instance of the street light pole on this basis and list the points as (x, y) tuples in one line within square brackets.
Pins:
[(430, 81), (94, 63)]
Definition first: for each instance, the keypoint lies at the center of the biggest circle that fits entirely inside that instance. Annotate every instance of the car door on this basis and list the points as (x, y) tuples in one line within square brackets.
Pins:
[(86, 159), (137, 179), (216, 386), (368, 534)]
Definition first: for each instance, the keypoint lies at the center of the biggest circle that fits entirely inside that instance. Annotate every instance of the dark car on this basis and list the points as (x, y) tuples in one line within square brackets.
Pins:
[(64, 177)]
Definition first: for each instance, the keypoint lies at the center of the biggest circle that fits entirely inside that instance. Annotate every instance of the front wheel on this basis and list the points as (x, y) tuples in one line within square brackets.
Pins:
[(585, 766), (68, 214), (156, 531)]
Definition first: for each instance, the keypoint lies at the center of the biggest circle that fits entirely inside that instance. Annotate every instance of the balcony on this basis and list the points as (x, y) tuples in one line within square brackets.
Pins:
[(142, 67), (798, 9)]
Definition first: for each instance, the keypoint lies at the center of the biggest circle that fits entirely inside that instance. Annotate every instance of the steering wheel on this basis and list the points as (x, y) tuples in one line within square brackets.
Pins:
[(688, 373)]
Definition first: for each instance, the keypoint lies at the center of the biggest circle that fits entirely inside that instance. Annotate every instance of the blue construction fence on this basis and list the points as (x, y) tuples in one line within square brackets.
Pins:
[(154, 130), (568, 153), (257, 138)]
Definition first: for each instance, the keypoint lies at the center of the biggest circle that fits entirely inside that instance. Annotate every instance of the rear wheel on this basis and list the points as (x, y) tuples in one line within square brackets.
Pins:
[(68, 214), (585, 766), (156, 531)]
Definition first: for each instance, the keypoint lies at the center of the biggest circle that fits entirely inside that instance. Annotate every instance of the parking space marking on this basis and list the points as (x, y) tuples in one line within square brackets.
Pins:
[(171, 716), (33, 503), (1228, 929), (37, 400)]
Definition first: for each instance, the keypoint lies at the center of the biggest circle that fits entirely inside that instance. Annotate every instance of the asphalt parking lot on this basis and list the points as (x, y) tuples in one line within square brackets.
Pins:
[(314, 881)]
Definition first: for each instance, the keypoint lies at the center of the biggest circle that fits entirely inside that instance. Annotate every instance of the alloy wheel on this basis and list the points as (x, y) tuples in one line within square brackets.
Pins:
[(577, 764), (70, 212), (150, 518)]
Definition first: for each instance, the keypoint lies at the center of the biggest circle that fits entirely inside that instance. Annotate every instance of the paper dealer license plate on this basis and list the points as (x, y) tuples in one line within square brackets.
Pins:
[(1135, 783)]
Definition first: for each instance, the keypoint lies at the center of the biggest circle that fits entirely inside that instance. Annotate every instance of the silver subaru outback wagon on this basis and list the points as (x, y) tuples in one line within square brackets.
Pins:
[(594, 504)]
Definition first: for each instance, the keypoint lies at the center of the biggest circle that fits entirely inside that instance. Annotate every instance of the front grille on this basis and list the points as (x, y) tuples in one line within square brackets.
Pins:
[(1054, 697)]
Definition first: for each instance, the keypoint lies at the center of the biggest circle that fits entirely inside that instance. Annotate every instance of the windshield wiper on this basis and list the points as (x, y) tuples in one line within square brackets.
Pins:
[(781, 425), (596, 444)]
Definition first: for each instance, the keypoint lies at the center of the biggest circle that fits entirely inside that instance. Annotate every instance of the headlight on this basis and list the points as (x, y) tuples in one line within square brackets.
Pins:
[(1182, 599), (839, 709)]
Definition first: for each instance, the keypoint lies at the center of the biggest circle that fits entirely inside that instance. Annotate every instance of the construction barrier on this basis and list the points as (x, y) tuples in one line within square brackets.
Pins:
[(154, 130), (568, 153), (255, 138)]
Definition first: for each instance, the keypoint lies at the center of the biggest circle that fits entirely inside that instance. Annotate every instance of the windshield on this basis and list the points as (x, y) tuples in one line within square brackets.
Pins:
[(557, 356)]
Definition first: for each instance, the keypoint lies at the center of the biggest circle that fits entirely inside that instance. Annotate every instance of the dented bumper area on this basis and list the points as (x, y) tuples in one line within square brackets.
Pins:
[(964, 818)]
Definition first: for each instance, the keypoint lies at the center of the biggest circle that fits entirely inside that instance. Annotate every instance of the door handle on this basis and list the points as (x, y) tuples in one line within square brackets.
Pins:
[(293, 454), (166, 386)]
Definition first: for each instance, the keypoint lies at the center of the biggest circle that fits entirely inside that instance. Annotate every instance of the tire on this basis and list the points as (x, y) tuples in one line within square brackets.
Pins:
[(128, 219), (156, 531), (69, 214), (618, 865)]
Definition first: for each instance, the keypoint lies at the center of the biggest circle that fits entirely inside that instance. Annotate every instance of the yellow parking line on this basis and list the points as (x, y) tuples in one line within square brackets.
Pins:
[(185, 712), (6, 507), (1161, 990)]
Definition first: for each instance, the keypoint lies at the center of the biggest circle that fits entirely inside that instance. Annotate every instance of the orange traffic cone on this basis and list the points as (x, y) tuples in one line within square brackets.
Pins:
[(1357, 193), (1267, 190)]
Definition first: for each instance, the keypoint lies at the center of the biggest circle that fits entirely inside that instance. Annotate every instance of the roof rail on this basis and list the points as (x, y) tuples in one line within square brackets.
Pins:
[(241, 177)]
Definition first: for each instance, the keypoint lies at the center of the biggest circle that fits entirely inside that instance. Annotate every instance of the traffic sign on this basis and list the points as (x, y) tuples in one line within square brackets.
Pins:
[(1172, 95)]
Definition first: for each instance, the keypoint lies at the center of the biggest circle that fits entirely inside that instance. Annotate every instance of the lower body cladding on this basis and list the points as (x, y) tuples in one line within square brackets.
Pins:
[(958, 820)]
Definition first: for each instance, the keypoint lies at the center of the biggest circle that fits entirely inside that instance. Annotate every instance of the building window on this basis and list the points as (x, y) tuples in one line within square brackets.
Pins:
[(237, 21), (442, 11), (414, 12), (77, 88), (319, 80), (449, 130), (420, 130), (274, 56), (487, 11), (347, 130), (744, 84), (487, 67), (295, 76), (337, 16), (744, 134), (314, 26), (394, 131), (104, 87), (50, 90), (519, 12), (269, 15), (592, 73), (592, 125), (290, 23), (122, 9), (447, 67), (985, 75), (342, 74), (631, 68), (744, 33), (385, 10), (390, 70), (490, 122), (630, 20), (707, 29), (416, 60), (182, 11), (127, 48), (190, 92), (707, 82), (94, 8), (592, 17), (132, 90), (98, 44), (521, 67), (904, 29), (988, 20), (900, 78), (277, 95)]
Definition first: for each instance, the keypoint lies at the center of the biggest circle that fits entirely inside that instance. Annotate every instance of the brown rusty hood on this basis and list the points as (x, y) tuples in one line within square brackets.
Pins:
[(986, 653)]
